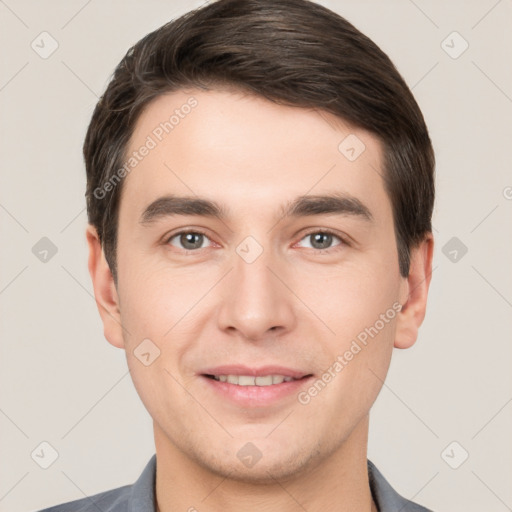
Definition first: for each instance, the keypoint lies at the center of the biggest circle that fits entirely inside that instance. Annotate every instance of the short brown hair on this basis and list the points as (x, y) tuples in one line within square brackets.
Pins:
[(292, 52)]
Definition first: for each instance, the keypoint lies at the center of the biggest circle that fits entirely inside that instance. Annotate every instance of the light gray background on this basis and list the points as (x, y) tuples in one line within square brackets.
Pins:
[(64, 384)]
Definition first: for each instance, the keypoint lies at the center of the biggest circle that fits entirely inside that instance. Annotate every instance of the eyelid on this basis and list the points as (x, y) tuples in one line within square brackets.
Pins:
[(180, 231), (168, 237), (343, 238)]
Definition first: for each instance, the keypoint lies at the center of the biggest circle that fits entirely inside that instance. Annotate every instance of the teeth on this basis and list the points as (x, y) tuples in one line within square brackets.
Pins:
[(249, 380), (263, 381), (244, 380)]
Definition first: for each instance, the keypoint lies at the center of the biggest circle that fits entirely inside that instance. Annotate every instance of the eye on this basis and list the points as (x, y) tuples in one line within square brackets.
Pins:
[(188, 240), (322, 240), (194, 240)]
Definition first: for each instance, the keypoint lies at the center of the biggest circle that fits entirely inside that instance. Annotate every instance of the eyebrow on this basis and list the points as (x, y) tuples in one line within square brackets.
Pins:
[(308, 205)]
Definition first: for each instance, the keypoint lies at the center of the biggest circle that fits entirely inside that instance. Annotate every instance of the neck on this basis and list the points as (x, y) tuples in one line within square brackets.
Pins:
[(338, 482)]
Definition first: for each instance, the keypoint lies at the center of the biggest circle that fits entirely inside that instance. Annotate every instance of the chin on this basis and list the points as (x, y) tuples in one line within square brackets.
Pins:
[(258, 464)]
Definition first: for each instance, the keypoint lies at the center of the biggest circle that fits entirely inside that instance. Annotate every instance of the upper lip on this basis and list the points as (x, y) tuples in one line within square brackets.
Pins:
[(255, 372)]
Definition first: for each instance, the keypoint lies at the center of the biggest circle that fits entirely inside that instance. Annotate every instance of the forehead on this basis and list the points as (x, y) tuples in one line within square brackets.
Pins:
[(247, 152)]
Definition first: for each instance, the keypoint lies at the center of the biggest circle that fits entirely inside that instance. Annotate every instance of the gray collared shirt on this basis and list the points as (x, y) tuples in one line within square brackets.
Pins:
[(140, 497)]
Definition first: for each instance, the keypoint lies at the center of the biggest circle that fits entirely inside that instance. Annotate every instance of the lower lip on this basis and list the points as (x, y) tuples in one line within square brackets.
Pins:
[(256, 396)]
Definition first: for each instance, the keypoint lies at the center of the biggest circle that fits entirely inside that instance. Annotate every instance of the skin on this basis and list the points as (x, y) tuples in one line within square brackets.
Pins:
[(296, 305)]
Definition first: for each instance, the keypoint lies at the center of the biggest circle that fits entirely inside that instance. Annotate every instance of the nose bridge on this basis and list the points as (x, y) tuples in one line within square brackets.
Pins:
[(252, 271), (257, 300)]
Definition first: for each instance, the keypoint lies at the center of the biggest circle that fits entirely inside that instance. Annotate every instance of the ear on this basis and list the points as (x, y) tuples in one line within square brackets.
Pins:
[(414, 293), (105, 291)]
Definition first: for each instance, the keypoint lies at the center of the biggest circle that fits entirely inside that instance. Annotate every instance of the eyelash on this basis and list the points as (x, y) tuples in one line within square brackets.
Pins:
[(343, 240)]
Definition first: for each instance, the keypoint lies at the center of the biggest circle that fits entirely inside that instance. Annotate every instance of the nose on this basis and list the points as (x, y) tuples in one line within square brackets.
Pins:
[(257, 302)]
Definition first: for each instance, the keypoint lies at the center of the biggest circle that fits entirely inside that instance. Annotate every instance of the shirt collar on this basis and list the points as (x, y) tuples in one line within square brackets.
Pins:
[(142, 497)]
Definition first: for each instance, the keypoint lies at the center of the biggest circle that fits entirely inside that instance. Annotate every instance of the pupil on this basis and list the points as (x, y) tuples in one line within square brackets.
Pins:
[(320, 240), (322, 237), (187, 240)]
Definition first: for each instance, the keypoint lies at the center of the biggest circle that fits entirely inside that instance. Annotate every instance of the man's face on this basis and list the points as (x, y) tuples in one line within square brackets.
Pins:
[(258, 291)]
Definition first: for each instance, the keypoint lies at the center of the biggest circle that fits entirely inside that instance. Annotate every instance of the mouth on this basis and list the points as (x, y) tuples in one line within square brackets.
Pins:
[(249, 387), (250, 380)]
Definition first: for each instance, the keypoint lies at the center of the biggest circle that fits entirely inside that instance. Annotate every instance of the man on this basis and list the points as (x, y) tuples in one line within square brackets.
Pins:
[(260, 184)]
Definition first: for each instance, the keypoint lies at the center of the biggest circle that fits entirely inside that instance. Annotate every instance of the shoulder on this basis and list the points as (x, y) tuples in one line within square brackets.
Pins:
[(138, 497), (386, 498), (114, 500)]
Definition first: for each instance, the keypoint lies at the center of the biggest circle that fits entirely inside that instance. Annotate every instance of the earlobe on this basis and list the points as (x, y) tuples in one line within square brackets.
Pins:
[(415, 293), (105, 292)]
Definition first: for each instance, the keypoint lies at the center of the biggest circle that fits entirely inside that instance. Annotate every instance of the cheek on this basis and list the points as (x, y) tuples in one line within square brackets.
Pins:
[(363, 318), (353, 300), (154, 297), (361, 307)]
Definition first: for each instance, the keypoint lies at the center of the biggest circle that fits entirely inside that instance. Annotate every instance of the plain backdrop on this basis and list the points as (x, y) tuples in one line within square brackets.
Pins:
[(61, 382)]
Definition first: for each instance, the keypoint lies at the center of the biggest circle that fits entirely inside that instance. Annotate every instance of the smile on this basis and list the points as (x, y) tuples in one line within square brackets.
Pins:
[(270, 386), (250, 380)]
